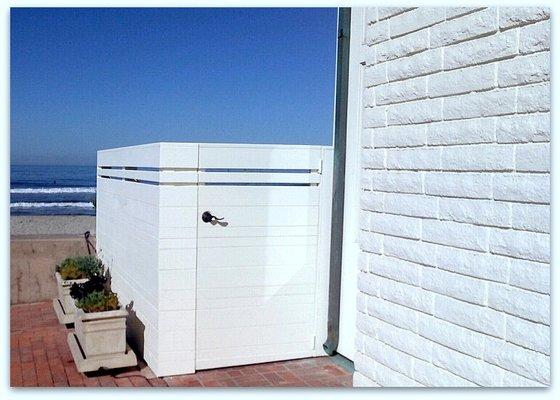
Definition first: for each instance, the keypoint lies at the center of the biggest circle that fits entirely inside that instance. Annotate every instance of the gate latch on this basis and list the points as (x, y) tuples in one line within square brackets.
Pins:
[(208, 217)]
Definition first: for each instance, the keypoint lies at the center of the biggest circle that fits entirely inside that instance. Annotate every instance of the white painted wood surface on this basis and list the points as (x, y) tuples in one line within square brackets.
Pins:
[(253, 288)]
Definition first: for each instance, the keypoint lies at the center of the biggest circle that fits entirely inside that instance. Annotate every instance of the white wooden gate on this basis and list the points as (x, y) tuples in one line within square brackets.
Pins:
[(251, 287)]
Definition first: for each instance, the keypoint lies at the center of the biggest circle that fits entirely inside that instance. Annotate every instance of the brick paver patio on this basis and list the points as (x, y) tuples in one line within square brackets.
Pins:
[(39, 356)]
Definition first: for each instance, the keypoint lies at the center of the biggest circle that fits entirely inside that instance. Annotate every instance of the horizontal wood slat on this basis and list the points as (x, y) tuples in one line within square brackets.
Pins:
[(153, 155), (189, 163), (259, 156), (194, 177), (259, 177), (176, 177)]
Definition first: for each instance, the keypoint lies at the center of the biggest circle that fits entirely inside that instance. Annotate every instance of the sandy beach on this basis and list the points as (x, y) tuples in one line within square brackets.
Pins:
[(51, 225), (37, 244)]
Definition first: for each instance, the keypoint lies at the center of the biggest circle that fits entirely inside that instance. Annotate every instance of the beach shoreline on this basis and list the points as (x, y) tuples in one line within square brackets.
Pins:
[(32, 225)]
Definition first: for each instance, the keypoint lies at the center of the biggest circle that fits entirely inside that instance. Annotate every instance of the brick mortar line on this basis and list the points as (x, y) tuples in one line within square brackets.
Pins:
[(439, 218), (499, 31), (394, 15), (436, 145), (463, 300), (543, 264), (445, 196), (496, 87), (476, 171), (426, 96), (454, 323), (504, 339), (386, 366), (508, 114), (447, 347), (442, 70), (454, 247)]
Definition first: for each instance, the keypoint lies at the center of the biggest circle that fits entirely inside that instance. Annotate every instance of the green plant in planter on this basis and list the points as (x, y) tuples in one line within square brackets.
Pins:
[(80, 267), (65, 263), (99, 301), (70, 269), (90, 265)]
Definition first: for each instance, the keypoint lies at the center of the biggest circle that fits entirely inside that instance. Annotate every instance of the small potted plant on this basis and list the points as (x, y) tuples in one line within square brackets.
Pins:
[(99, 339), (69, 272)]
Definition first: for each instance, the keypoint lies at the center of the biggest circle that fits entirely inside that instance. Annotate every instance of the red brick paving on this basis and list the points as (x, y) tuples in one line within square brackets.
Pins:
[(39, 356)]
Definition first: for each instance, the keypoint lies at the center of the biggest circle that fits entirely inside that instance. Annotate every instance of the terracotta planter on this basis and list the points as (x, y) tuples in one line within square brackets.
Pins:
[(64, 305)]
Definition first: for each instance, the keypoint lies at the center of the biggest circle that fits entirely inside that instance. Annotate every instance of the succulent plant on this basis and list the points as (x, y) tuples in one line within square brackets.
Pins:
[(90, 265), (80, 267), (70, 269), (98, 301), (64, 263)]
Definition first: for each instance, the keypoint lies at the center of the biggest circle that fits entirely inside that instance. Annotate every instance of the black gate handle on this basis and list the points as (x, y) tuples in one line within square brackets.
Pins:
[(208, 217)]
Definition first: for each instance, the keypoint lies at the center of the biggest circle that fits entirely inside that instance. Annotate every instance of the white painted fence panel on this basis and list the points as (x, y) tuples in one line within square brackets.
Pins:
[(260, 196), (259, 177), (183, 177), (153, 155), (260, 156), (251, 288)]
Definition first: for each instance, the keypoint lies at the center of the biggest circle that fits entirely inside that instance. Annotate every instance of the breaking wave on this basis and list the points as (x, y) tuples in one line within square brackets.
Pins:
[(54, 190), (46, 205)]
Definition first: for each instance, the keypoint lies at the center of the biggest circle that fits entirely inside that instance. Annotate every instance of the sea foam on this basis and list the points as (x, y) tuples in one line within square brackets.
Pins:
[(54, 190), (44, 205)]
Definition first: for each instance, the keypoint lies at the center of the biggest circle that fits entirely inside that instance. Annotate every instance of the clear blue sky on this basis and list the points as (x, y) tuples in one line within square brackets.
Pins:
[(87, 79)]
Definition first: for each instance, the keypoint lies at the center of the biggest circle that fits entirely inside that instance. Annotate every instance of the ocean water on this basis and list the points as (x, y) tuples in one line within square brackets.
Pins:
[(52, 190)]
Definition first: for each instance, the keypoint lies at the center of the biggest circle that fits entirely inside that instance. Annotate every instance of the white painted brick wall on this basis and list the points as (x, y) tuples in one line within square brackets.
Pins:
[(410, 204), (533, 68), (534, 38), (403, 46), (516, 16), (533, 157), (533, 98), (460, 29), (479, 372), (523, 128), (397, 92), (462, 81), (455, 12), (469, 131), (416, 19), (481, 212), (414, 113), (400, 136), (416, 65), (454, 288), (486, 49), (452, 184), (484, 104)]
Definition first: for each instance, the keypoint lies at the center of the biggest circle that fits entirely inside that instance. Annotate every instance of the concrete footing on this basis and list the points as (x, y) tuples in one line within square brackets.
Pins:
[(62, 316), (106, 361)]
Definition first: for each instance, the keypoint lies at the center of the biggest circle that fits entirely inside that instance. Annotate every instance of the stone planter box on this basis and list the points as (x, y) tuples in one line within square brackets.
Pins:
[(99, 341), (101, 332), (64, 305)]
